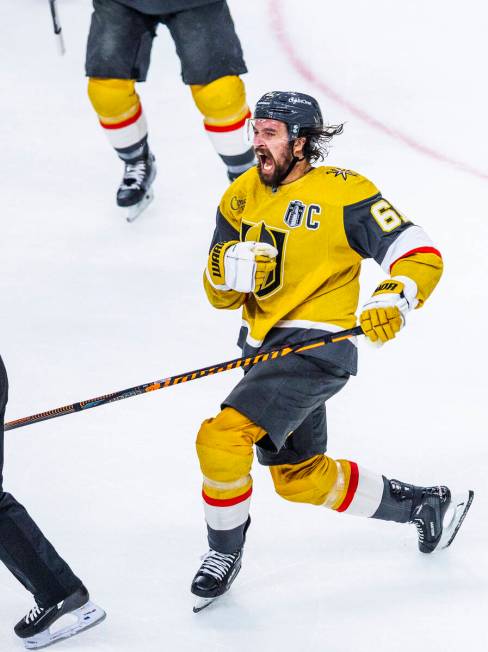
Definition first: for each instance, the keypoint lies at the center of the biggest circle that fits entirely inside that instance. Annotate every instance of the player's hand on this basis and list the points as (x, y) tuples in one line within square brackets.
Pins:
[(265, 256), (241, 266), (247, 265), (384, 314)]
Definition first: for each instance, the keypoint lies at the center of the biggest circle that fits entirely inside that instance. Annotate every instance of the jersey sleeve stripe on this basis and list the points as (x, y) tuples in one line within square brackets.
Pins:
[(408, 240), (418, 250)]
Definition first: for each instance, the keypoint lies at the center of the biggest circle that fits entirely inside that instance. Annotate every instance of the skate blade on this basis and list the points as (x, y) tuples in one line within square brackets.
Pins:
[(201, 603), (86, 616), (454, 517), (134, 211)]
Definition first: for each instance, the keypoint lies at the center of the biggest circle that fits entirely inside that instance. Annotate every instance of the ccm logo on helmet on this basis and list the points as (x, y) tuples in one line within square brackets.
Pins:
[(298, 100)]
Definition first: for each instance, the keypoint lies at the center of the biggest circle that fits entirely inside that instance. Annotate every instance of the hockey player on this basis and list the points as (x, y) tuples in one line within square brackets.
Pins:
[(36, 564), (287, 248), (118, 52)]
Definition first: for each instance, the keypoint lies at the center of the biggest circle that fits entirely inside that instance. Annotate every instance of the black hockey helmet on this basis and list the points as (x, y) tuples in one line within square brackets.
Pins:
[(297, 110)]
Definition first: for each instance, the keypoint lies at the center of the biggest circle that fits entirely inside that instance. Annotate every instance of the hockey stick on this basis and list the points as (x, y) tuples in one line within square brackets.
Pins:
[(185, 377), (57, 26)]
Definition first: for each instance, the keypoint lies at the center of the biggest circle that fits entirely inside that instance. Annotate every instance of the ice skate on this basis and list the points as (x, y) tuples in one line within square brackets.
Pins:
[(43, 626), (439, 516), (135, 192), (215, 577)]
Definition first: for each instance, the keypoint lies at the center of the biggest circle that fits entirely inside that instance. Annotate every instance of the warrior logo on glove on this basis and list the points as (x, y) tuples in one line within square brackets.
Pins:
[(388, 286), (385, 313)]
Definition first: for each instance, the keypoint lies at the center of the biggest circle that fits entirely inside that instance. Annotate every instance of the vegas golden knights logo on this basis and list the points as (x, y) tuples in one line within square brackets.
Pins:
[(294, 213), (261, 232), (341, 172)]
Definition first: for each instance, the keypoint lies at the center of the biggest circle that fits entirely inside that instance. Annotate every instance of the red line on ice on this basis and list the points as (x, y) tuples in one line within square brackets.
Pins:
[(278, 29)]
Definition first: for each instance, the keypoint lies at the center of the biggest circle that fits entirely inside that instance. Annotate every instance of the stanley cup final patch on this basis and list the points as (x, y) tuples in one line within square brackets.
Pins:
[(294, 213)]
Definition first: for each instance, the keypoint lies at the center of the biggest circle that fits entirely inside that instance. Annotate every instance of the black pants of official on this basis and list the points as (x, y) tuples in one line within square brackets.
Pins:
[(23, 548)]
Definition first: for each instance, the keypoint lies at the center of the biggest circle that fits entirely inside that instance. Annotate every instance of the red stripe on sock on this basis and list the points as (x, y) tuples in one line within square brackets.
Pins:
[(226, 502), (232, 127), (351, 490), (418, 250), (124, 123)]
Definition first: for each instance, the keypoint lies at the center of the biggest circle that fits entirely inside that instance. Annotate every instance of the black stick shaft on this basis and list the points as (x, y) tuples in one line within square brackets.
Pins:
[(57, 27), (55, 17), (185, 377)]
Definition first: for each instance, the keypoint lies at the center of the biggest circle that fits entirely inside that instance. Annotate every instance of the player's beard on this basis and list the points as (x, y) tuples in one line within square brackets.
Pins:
[(270, 171)]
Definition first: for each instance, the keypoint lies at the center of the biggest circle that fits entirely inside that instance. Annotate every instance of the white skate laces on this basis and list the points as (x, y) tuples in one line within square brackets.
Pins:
[(134, 175), (217, 564), (33, 613), (420, 529)]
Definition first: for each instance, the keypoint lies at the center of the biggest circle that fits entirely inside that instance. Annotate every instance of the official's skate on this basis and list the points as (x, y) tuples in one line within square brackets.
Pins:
[(135, 192), (439, 516), (44, 626), (215, 577)]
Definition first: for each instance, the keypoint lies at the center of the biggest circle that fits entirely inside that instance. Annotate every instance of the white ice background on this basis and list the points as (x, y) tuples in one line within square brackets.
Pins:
[(91, 304)]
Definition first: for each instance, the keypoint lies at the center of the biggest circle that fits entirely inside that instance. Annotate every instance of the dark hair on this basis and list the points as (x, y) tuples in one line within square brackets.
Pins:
[(318, 138)]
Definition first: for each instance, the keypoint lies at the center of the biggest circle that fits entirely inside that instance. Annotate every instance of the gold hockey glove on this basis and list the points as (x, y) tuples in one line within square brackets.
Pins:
[(385, 313)]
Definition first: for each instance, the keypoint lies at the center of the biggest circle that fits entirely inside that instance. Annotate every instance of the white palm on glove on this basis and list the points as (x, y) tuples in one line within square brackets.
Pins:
[(247, 265)]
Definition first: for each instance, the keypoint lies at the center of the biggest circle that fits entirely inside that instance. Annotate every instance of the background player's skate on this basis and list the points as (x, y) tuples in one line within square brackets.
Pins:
[(135, 193)]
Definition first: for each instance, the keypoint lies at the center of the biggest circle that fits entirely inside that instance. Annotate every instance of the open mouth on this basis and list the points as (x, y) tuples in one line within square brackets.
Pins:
[(266, 162)]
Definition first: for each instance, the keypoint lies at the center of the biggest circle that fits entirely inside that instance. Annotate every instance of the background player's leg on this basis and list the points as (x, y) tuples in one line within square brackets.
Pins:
[(121, 116), (120, 113), (118, 54), (32, 559), (224, 107), (211, 62)]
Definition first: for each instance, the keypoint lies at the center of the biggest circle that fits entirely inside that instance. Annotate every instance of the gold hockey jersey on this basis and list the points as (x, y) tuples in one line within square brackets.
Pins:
[(323, 225)]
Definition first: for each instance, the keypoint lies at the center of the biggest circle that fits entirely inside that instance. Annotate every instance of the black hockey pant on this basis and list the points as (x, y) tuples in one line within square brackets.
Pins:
[(23, 548)]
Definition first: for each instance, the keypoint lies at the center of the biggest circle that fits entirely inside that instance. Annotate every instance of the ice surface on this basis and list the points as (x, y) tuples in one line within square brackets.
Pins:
[(91, 304)]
